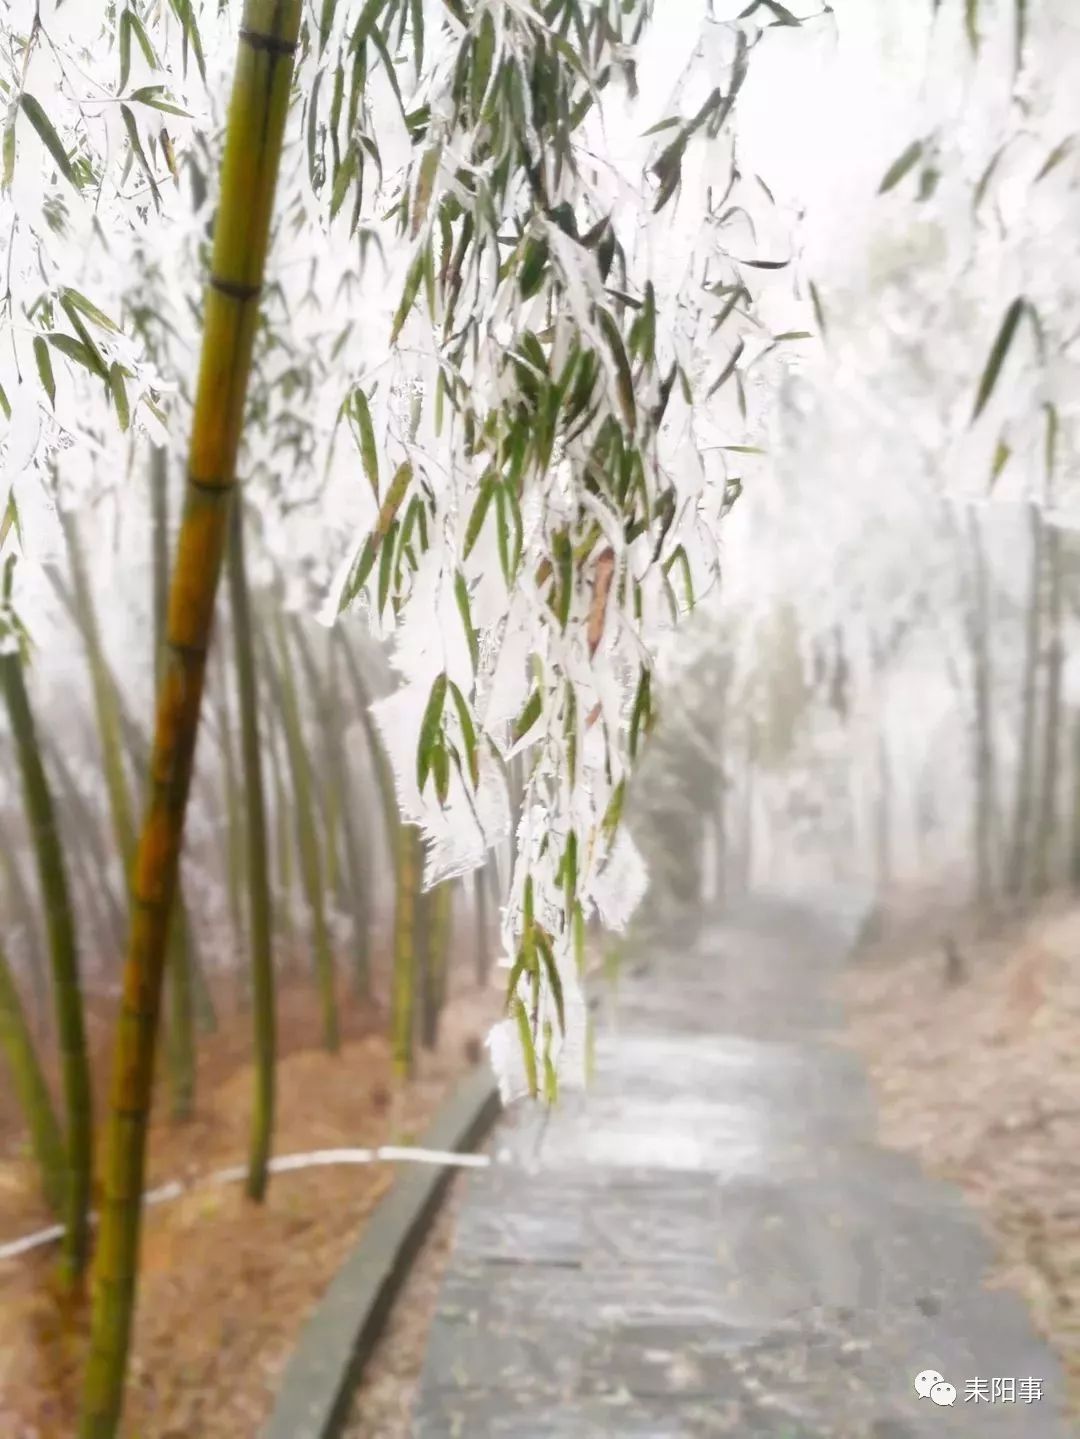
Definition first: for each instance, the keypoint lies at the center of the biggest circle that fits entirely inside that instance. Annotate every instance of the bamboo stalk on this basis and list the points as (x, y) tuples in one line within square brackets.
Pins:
[(1046, 828), (338, 771), (283, 840), (89, 835), (306, 834), (181, 1030), (1018, 875), (63, 955), (407, 916), (483, 939), (105, 701), (22, 908), (46, 1140), (256, 123), (258, 870), (234, 837), (438, 908)]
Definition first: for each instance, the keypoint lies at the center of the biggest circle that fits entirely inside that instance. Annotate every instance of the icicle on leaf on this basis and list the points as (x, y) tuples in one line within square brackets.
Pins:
[(998, 352), (429, 729)]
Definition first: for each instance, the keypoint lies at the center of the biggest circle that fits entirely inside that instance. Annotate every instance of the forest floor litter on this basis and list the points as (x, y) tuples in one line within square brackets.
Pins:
[(226, 1285), (973, 1047)]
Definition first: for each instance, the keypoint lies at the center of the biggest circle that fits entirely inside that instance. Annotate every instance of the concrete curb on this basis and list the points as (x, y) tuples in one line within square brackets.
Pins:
[(337, 1340)]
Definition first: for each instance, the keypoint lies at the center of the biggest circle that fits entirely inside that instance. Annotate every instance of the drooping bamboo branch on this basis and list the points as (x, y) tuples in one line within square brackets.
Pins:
[(63, 955), (17, 1046), (258, 868), (256, 123)]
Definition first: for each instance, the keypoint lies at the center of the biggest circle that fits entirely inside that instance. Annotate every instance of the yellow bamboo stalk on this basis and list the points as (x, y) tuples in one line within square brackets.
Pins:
[(256, 123)]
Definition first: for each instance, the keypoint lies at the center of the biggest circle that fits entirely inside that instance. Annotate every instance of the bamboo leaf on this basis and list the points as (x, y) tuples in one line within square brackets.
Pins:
[(547, 954), (43, 361), (998, 352), (1001, 458), (468, 733), (429, 729), (408, 297), (90, 310), (1055, 157), (901, 166), (49, 138), (190, 30), (369, 456), (8, 164), (152, 95), (528, 717), (1050, 442), (118, 390), (624, 383), (528, 1047), (461, 593), (480, 508), (971, 24), (137, 149), (386, 565)]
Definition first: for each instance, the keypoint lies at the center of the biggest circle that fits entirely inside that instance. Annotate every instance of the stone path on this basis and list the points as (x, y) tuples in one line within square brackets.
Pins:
[(711, 1242)]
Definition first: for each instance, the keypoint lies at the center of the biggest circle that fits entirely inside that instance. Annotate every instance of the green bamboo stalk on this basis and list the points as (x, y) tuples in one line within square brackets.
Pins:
[(1019, 869), (88, 833), (307, 836), (354, 872), (21, 908), (181, 1027), (984, 750), (234, 833), (138, 753), (257, 114), (283, 838), (258, 869), (106, 706), (1046, 828), (28, 1081), (439, 907), (1074, 858), (407, 915), (483, 938), (63, 955)]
